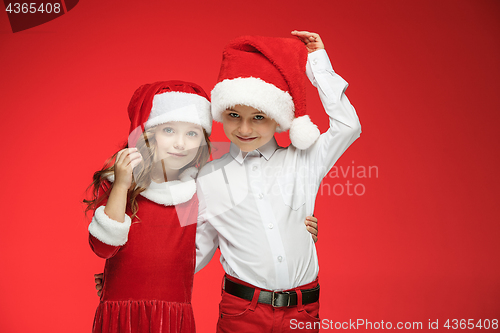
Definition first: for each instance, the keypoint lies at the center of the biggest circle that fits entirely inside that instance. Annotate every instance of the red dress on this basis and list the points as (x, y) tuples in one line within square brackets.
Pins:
[(148, 280)]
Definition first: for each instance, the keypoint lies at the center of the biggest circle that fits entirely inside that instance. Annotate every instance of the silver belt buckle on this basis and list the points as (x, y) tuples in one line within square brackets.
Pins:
[(278, 293)]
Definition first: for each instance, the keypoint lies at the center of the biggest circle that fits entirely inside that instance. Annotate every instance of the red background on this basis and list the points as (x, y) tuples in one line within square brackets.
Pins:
[(421, 243)]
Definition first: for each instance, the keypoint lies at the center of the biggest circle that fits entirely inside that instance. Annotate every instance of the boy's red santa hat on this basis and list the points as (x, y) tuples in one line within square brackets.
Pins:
[(267, 74), (160, 102)]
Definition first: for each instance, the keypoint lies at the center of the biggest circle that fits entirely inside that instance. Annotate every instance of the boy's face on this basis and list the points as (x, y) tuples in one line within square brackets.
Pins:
[(248, 128)]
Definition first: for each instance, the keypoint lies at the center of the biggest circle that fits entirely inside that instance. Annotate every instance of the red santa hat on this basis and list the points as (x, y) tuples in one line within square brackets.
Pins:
[(160, 102), (267, 74)]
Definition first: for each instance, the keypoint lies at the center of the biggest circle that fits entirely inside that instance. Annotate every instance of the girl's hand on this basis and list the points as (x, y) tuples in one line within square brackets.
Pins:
[(98, 282), (312, 226), (312, 40), (126, 160)]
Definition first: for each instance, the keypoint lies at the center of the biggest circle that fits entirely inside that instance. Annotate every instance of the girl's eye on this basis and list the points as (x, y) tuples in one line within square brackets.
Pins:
[(234, 115), (259, 117), (192, 133), (168, 130)]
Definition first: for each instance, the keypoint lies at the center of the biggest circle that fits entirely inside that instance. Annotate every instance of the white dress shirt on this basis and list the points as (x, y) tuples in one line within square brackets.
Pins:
[(253, 208)]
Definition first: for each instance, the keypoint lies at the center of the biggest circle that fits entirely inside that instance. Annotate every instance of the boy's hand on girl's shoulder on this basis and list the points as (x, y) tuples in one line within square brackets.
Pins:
[(312, 40), (98, 282), (312, 226)]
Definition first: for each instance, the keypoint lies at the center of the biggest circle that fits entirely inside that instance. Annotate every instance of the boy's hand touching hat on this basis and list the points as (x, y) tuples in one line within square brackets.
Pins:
[(312, 40)]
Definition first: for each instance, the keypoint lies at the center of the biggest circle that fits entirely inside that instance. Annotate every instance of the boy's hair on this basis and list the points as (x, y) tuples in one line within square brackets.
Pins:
[(146, 145)]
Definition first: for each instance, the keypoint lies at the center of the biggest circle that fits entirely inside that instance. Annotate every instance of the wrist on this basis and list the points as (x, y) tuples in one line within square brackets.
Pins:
[(122, 188)]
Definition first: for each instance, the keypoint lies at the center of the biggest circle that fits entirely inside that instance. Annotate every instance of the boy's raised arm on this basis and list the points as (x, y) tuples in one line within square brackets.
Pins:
[(344, 127), (344, 123)]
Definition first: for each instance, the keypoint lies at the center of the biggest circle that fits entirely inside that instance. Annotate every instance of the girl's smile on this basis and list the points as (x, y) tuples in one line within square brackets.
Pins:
[(178, 155)]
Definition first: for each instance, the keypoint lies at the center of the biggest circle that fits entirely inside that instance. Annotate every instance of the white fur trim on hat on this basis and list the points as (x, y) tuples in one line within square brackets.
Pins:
[(107, 230), (254, 92), (180, 106), (303, 132)]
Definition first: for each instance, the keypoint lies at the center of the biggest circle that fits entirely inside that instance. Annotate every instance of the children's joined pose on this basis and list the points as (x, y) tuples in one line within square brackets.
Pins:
[(271, 280), (144, 222), (145, 212)]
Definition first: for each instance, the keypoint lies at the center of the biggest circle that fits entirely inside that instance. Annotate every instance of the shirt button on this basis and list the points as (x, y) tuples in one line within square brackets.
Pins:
[(255, 167), (280, 258), (270, 225), (261, 195)]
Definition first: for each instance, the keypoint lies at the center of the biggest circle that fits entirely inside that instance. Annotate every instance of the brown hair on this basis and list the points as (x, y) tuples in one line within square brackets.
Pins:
[(146, 145)]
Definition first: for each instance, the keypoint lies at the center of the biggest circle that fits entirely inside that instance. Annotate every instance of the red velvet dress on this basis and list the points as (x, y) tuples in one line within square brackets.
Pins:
[(148, 280)]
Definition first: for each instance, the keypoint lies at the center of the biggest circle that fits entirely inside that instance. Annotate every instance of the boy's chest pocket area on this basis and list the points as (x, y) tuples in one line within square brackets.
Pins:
[(292, 190)]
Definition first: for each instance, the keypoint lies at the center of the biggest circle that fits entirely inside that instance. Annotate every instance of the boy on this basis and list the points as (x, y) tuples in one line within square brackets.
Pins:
[(270, 260)]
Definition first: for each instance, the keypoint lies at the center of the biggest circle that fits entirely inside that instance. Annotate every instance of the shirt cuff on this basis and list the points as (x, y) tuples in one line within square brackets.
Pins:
[(109, 231), (319, 61), (320, 72)]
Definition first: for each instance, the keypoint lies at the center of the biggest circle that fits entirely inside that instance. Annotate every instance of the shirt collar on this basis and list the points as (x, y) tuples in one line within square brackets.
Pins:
[(266, 151)]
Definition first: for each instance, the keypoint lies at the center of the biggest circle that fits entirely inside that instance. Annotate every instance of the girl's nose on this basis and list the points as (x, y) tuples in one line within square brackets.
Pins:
[(179, 142)]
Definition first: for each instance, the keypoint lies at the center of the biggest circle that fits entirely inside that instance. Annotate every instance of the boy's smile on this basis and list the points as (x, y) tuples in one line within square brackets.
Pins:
[(247, 127)]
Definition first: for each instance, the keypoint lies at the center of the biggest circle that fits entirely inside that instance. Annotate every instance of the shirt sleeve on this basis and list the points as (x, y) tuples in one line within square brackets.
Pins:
[(344, 124), (344, 127), (207, 239)]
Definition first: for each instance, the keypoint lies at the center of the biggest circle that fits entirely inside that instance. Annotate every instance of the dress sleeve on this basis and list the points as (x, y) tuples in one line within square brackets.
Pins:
[(106, 236)]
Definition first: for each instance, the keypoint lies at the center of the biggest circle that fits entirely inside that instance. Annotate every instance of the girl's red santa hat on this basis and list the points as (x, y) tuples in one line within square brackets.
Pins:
[(267, 74), (160, 102)]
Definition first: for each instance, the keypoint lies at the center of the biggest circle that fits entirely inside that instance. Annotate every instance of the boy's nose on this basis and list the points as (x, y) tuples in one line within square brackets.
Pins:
[(245, 128)]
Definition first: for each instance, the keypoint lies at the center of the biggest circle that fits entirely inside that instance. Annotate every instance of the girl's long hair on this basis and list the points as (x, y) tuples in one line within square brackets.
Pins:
[(146, 145)]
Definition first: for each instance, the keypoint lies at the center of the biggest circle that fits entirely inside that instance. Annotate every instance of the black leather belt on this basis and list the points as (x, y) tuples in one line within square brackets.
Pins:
[(275, 298)]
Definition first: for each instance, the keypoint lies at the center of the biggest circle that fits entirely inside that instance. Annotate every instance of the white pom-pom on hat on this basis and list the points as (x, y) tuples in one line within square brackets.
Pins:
[(303, 132)]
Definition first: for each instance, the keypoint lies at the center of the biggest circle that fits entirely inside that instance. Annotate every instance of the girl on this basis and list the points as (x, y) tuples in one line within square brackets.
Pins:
[(145, 211)]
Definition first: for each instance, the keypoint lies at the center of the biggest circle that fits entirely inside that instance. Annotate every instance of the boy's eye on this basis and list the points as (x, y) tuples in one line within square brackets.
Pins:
[(168, 130), (234, 115), (192, 133), (258, 117)]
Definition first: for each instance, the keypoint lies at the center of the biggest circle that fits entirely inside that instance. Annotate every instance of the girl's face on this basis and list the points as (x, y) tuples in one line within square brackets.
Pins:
[(177, 143)]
